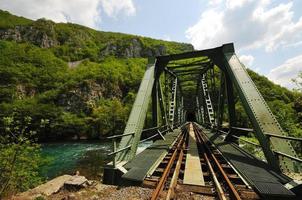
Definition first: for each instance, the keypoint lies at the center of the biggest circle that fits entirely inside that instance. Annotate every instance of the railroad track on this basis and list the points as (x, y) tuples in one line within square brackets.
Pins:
[(220, 180)]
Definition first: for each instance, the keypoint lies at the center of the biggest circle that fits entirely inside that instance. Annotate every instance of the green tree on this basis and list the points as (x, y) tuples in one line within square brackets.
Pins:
[(110, 117), (298, 81), (19, 156)]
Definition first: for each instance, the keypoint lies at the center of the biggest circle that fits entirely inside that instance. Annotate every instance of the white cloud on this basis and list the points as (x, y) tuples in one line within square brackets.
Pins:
[(215, 2), (85, 12), (247, 60), (284, 73), (113, 7), (250, 24), (232, 4)]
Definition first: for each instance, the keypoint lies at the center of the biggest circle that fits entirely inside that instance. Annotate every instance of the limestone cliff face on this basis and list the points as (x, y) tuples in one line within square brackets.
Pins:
[(41, 33), (46, 38), (132, 49), (47, 34), (83, 97)]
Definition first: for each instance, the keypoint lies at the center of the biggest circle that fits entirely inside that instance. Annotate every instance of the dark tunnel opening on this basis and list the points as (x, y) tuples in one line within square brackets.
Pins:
[(191, 117)]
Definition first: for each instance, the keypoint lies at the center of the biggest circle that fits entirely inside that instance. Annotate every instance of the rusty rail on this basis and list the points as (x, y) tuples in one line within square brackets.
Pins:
[(166, 172), (225, 177)]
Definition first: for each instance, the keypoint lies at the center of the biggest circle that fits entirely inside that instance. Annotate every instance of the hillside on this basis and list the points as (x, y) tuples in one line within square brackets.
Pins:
[(77, 80)]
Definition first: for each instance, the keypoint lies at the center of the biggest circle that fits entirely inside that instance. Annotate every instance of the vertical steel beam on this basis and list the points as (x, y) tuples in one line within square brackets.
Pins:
[(198, 118), (155, 104), (161, 104), (230, 101), (221, 99)]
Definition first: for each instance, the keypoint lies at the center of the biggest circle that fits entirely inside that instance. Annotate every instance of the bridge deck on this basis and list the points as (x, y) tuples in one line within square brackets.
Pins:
[(145, 162), (258, 173)]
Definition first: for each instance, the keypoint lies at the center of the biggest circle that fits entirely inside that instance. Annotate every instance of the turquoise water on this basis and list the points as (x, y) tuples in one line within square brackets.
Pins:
[(66, 158), (88, 158)]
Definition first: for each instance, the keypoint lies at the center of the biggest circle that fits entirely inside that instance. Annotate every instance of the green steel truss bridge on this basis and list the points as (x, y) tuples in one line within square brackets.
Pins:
[(192, 100)]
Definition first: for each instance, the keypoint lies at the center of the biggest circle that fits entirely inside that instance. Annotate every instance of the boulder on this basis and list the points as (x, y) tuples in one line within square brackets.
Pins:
[(76, 183), (51, 187)]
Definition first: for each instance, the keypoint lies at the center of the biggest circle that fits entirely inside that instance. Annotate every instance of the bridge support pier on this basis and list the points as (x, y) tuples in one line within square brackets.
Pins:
[(112, 176)]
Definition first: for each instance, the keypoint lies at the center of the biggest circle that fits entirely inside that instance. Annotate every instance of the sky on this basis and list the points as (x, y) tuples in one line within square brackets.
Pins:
[(267, 34)]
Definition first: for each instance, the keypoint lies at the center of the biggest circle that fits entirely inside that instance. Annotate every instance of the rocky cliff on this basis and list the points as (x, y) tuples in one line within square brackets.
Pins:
[(66, 39)]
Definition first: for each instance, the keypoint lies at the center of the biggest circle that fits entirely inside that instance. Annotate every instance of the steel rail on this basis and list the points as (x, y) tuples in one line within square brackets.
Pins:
[(173, 183), (219, 189), (229, 183), (164, 177)]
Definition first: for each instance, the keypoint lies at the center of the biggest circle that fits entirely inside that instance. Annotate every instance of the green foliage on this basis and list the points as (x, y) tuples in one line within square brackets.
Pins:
[(298, 81), (39, 198), (256, 151), (34, 81), (271, 91), (19, 156), (283, 103), (110, 116), (8, 20), (33, 68), (72, 124)]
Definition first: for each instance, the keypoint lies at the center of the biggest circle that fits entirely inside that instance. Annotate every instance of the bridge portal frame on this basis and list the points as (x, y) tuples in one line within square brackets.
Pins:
[(233, 76)]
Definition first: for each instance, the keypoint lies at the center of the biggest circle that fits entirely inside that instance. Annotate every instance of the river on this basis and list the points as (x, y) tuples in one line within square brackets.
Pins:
[(87, 157)]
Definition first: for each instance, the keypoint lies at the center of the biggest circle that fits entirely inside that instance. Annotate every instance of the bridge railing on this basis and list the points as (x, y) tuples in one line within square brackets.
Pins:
[(267, 135), (114, 138)]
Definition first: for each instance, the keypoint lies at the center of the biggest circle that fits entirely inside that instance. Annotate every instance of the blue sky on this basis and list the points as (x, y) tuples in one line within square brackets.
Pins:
[(267, 33)]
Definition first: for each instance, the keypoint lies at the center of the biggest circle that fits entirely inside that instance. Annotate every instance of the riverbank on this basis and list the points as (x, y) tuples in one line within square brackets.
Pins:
[(78, 187)]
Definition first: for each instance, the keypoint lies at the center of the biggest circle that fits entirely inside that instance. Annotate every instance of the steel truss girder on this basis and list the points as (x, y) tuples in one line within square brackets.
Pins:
[(192, 64), (193, 67), (137, 116), (190, 70), (221, 98), (161, 104)]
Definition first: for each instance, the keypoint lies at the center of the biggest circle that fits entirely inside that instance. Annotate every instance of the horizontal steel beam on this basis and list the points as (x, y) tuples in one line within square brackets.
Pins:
[(119, 136), (283, 137), (186, 70), (120, 150), (190, 65), (288, 156), (207, 52)]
